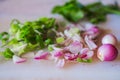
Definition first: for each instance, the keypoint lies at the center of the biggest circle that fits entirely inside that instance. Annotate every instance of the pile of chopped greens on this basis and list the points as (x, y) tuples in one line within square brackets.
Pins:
[(96, 12), (28, 36)]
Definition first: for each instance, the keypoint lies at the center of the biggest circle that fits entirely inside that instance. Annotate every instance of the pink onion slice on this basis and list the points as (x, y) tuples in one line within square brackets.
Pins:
[(75, 47), (69, 56), (85, 53), (95, 30), (67, 34), (77, 37), (60, 63), (89, 26), (92, 32), (17, 59), (41, 55), (90, 43), (58, 53)]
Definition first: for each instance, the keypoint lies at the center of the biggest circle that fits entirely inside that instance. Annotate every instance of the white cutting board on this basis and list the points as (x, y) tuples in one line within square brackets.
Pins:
[(46, 70)]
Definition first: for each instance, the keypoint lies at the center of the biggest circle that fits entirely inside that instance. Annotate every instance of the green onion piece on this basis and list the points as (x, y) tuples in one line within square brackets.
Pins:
[(59, 40), (84, 60), (8, 53), (15, 26), (4, 36), (50, 48), (39, 39), (48, 41)]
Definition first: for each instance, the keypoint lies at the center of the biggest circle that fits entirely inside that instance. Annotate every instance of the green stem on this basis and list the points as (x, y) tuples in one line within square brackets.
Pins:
[(113, 11)]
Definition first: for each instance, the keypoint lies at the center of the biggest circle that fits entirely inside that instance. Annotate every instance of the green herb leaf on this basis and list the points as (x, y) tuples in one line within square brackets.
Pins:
[(29, 47), (27, 34), (15, 26), (8, 53), (71, 10), (48, 42), (4, 37), (96, 12), (39, 40)]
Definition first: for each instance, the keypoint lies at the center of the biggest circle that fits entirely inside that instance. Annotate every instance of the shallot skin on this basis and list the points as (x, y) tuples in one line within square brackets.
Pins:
[(107, 52)]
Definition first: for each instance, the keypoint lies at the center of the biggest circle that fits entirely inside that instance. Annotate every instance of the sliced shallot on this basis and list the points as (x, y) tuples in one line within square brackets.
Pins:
[(90, 43), (75, 47), (41, 55), (85, 53), (92, 31), (58, 53), (69, 56), (17, 59), (77, 37), (60, 63)]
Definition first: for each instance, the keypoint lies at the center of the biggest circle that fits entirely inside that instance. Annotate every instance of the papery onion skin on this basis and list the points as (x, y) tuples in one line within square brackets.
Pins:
[(107, 52), (93, 32)]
